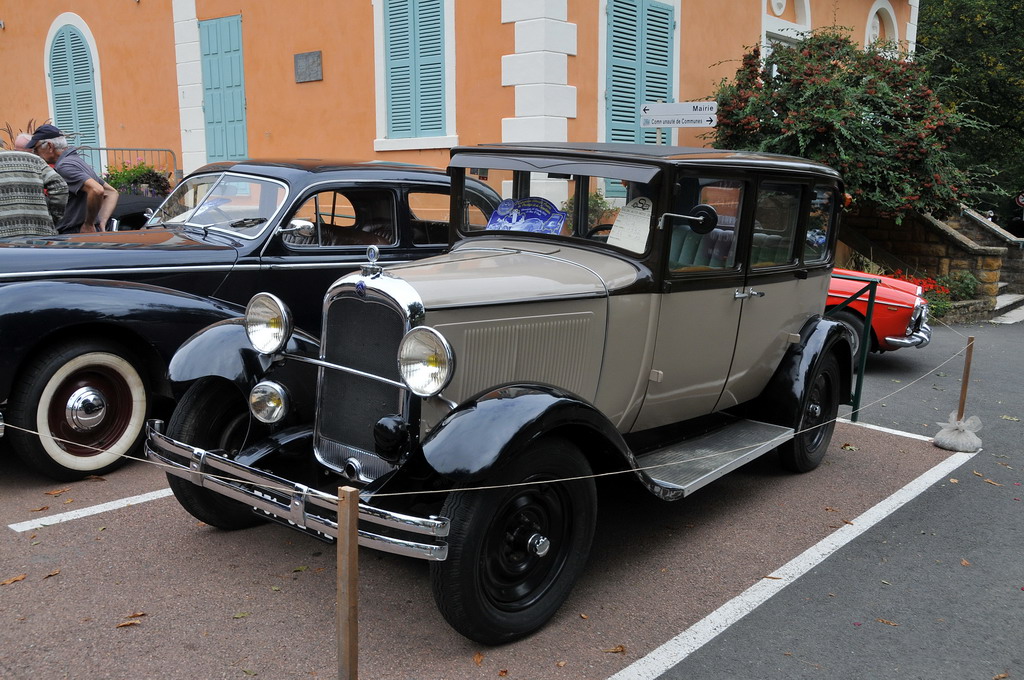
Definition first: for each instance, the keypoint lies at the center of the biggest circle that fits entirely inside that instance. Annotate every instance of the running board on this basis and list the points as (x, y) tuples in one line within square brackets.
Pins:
[(693, 463)]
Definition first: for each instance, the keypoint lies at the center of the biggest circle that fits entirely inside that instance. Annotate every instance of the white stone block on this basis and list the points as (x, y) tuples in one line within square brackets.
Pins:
[(190, 95), (521, 10), (191, 118), (539, 35), (190, 73), (185, 52), (546, 100), (534, 67), (535, 129), (186, 31)]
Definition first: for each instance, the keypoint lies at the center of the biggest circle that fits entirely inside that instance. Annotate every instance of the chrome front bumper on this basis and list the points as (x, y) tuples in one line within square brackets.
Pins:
[(306, 509), (919, 339)]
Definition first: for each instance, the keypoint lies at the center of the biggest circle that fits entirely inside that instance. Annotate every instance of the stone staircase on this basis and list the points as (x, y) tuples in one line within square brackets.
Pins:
[(1009, 306)]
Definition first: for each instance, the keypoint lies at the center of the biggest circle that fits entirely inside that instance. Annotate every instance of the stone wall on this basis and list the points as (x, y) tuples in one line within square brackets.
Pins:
[(984, 232), (925, 246)]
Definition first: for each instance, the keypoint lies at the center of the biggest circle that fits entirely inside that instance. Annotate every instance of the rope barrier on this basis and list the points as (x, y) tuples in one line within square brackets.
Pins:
[(312, 492)]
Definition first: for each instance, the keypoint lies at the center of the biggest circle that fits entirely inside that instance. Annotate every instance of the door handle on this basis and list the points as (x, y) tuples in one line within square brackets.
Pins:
[(750, 293)]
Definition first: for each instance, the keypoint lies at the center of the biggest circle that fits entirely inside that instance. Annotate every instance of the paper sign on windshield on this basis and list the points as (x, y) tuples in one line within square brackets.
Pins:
[(632, 225)]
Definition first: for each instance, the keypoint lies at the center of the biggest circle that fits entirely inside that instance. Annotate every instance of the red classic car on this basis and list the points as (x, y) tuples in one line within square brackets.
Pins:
[(900, 316)]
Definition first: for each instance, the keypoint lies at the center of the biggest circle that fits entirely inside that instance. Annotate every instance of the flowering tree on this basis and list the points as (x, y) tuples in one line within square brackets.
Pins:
[(869, 113)]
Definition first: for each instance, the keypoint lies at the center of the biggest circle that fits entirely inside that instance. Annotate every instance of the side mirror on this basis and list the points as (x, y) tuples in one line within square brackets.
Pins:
[(303, 228), (702, 220)]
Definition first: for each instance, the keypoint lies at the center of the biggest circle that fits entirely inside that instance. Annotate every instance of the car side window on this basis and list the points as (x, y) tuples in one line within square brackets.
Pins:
[(776, 219), (692, 251), (820, 223), (346, 218)]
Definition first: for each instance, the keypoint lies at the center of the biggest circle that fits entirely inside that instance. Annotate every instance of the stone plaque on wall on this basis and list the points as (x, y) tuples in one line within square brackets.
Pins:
[(309, 67)]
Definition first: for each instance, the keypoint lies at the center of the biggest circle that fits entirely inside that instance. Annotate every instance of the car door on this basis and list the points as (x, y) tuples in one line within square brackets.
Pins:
[(699, 312), (779, 293)]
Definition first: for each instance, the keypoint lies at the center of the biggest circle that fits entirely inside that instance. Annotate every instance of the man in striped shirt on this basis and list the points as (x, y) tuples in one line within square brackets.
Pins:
[(32, 195)]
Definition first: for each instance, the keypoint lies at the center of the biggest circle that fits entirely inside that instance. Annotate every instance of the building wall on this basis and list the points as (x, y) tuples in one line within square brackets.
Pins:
[(523, 69)]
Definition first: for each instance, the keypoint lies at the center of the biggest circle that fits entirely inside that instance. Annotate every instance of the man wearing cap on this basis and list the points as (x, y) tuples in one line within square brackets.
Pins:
[(32, 195), (91, 201)]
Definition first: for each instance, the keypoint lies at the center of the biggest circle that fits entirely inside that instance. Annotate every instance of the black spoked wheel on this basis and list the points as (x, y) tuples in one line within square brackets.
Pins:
[(516, 552), (87, 399), (211, 415), (816, 421)]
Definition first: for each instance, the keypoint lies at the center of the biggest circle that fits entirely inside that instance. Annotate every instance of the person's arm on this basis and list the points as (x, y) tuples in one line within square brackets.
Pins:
[(110, 197), (94, 196), (56, 193)]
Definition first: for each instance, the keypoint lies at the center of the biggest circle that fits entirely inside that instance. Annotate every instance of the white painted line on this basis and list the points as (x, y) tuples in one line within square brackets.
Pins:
[(678, 648), (901, 433), (85, 512)]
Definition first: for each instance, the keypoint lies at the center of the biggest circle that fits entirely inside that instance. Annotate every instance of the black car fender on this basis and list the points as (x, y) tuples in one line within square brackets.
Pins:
[(782, 398), (486, 432), (223, 350), (150, 320)]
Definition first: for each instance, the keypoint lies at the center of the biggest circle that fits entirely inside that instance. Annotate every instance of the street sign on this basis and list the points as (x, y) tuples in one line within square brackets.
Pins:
[(678, 114), (1020, 200)]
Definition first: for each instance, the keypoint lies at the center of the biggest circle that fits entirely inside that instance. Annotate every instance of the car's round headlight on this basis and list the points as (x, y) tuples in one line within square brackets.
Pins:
[(426, 361), (268, 323), (268, 401)]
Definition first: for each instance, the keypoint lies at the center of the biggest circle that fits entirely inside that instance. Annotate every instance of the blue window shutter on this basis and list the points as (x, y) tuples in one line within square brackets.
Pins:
[(73, 85), (220, 43), (415, 63), (656, 39), (623, 70)]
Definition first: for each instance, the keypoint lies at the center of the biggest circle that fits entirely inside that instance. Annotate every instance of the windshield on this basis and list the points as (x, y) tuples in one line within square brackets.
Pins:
[(606, 210), (233, 203)]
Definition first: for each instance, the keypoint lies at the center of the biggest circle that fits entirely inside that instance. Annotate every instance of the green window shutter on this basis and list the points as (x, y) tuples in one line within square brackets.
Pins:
[(414, 47), (73, 86), (656, 39), (623, 70)]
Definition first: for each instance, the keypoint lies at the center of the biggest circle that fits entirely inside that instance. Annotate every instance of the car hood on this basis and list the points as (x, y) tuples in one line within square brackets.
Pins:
[(120, 251), (888, 290), (501, 272)]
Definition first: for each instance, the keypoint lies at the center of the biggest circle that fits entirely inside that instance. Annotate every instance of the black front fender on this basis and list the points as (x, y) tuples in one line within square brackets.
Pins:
[(223, 350), (484, 433)]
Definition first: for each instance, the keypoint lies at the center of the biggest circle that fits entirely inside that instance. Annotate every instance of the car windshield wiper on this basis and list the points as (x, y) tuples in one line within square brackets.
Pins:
[(242, 223)]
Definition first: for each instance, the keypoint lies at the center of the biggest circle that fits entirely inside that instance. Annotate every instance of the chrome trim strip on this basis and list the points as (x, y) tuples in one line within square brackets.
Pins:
[(345, 369), (92, 273), (1, 424), (224, 476)]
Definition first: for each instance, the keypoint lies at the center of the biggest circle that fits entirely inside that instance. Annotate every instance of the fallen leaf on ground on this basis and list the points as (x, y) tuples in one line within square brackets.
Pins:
[(989, 481), (96, 478), (240, 615), (503, 673), (886, 583), (302, 568), (976, 473), (617, 649), (13, 579), (954, 480), (561, 664), (830, 509), (52, 573), (1013, 418), (275, 588), (135, 615), (70, 500), (773, 578), (125, 624), (584, 616), (57, 492), (45, 507), (1001, 676), (846, 521), (478, 658), (965, 563), (848, 447), (887, 622)]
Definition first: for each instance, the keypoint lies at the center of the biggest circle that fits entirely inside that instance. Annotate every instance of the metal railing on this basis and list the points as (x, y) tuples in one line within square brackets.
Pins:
[(109, 157), (871, 284)]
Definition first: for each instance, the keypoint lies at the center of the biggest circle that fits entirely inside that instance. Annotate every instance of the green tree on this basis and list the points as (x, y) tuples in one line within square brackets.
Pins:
[(870, 113), (978, 45)]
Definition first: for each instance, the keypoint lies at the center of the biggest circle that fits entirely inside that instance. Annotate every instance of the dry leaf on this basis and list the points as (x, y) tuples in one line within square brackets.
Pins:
[(848, 447), (953, 480), (478, 658), (561, 664), (846, 521), (584, 616), (886, 622), (13, 579), (52, 573), (965, 563), (240, 615), (135, 615), (1001, 676), (989, 481), (774, 578), (976, 473), (503, 673), (70, 500), (45, 507), (125, 624), (57, 492), (302, 568), (830, 509), (1013, 418), (617, 649), (886, 583)]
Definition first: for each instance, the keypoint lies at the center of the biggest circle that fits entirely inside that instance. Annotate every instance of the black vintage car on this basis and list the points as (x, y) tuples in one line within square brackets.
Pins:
[(88, 322)]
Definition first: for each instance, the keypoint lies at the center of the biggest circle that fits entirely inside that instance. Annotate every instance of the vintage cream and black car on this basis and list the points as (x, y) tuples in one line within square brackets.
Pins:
[(644, 309)]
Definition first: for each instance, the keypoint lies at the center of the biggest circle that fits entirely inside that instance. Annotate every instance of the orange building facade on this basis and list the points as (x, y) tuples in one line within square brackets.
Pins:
[(396, 80)]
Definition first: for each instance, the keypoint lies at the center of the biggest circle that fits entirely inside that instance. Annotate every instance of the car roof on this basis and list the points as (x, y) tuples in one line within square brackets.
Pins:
[(306, 169), (659, 153)]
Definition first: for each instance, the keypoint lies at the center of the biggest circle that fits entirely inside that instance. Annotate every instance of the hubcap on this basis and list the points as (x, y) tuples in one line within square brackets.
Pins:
[(86, 408), (539, 545)]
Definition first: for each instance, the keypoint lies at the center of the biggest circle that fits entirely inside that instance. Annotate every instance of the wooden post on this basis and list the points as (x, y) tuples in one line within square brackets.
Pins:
[(348, 583), (966, 378)]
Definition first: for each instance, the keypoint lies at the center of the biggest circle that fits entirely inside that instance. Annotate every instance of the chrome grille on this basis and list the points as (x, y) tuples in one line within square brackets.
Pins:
[(361, 334)]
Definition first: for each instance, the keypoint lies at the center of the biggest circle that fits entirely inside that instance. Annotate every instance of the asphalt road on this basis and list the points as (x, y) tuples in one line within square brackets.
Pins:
[(935, 590), (143, 590)]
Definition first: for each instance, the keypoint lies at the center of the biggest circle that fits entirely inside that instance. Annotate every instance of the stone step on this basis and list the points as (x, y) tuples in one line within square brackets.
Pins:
[(1009, 308)]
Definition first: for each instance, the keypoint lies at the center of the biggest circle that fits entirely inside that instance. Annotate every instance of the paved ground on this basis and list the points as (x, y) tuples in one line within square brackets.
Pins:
[(208, 604)]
